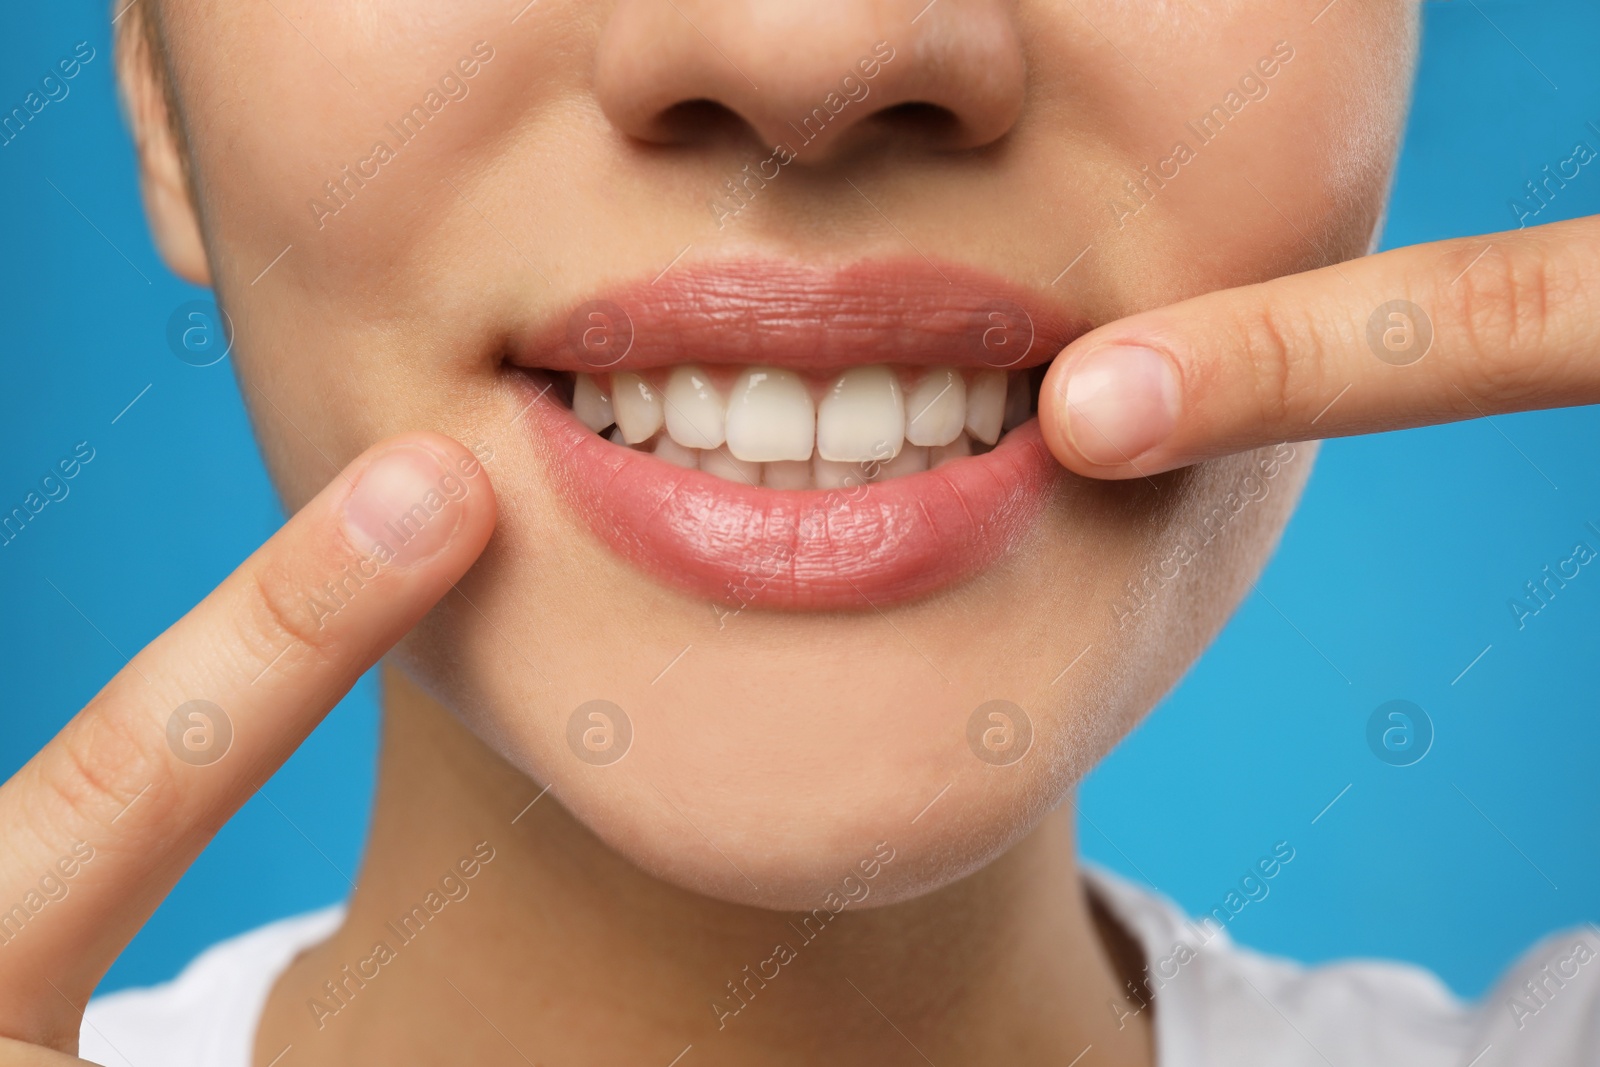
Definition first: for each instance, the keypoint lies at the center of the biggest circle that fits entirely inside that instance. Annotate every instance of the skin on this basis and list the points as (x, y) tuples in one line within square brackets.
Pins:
[(607, 921)]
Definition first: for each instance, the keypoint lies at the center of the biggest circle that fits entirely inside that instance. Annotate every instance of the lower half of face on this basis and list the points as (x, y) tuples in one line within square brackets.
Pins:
[(783, 570)]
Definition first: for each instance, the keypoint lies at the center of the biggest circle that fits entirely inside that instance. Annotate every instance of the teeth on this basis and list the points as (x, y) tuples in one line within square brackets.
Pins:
[(862, 418), (936, 409), (911, 460), (986, 405), (723, 464), (675, 454), (770, 416), (592, 407), (787, 474), (695, 410), (960, 448), (872, 424), (637, 406)]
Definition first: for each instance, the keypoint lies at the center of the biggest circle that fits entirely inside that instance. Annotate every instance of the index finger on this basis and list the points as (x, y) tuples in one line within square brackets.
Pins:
[(1427, 334), (97, 827)]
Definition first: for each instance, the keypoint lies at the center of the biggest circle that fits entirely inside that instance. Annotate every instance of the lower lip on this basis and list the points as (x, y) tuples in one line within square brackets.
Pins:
[(817, 549)]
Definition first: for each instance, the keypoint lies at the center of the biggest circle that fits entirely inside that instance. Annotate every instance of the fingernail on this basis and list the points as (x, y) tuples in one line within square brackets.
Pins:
[(404, 507), (1120, 402)]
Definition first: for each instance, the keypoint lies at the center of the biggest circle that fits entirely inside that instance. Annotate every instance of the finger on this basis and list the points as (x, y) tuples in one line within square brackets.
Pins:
[(96, 828), (1427, 334)]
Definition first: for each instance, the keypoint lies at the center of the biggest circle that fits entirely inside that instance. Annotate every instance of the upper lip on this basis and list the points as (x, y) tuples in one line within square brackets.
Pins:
[(805, 317)]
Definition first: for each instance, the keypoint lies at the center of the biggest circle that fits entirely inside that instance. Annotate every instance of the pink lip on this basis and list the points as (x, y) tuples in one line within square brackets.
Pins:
[(857, 548), (805, 317)]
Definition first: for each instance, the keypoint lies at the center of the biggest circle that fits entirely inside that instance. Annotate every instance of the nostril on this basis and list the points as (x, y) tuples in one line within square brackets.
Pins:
[(700, 122), (675, 74), (922, 122), (705, 122)]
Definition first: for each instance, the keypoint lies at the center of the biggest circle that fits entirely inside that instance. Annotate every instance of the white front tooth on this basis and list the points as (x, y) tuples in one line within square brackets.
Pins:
[(696, 412), (675, 454), (592, 407), (723, 464), (986, 405), (960, 448), (787, 474), (913, 459), (770, 416), (637, 407), (863, 417), (832, 474), (1019, 405), (617, 438), (936, 408)]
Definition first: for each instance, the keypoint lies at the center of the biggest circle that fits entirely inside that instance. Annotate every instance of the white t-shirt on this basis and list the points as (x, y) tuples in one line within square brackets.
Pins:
[(1216, 1004)]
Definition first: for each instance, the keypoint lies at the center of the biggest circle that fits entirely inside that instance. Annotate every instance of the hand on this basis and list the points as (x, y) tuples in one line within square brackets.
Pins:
[(97, 827), (1427, 334)]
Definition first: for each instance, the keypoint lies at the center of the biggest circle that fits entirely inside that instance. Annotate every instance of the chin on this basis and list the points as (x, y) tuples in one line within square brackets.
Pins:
[(774, 803)]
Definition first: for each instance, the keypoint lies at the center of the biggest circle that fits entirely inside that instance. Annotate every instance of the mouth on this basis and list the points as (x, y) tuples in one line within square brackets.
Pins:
[(789, 437)]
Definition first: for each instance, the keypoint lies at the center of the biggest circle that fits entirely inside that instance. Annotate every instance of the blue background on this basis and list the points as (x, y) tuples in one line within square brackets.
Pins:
[(1395, 573)]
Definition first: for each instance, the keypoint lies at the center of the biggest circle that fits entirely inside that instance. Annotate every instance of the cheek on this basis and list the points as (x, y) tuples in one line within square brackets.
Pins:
[(1231, 190), (1183, 576)]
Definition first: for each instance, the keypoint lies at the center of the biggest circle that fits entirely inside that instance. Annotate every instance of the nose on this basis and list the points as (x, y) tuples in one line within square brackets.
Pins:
[(821, 77)]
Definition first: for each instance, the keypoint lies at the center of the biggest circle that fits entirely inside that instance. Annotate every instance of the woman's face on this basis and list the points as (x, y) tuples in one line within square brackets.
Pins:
[(834, 238)]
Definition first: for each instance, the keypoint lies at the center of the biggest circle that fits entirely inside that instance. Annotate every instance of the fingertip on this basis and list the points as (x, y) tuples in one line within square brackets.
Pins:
[(419, 499), (471, 466), (1107, 410)]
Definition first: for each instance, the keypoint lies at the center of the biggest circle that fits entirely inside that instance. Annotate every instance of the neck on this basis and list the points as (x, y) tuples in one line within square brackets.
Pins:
[(545, 946)]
